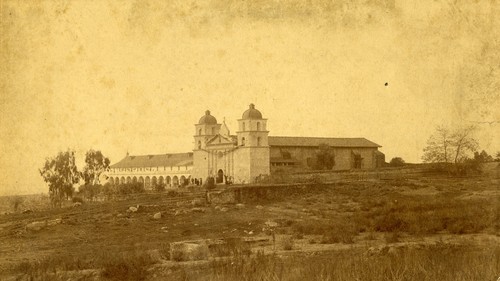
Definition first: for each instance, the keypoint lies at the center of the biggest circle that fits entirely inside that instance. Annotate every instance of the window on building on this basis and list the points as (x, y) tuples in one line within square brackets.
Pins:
[(199, 132), (243, 141), (213, 130), (286, 154), (243, 128), (258, 139), (258, 126), (199, 144)]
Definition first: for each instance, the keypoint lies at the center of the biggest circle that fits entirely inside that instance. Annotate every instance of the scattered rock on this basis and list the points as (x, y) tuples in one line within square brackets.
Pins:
[(196, 203), (147, 208), (240, 206), (120, 215), (157, 216), (106, 216), (198, 210), (189, 251), (36, 225), (270, 223), (27, 211), (77, 204), (177, 212), (132, 209), (164, 227), (217, 207), (393, 251), (54, 222), (259, 207), (224, 209)]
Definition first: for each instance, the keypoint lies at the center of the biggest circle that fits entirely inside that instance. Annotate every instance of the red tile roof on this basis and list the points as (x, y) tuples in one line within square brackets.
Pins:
[(159, 160), (315, 141)]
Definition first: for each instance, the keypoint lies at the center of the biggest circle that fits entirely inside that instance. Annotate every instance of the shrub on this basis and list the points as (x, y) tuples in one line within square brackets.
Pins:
[(287, 243), (172, 193), (130, 188), (233, 246), (127, 267), (209, 183), (16, 202), (390, 222), (345, 237), (397, 162), (159, 187), (392, 237), (77, 199)]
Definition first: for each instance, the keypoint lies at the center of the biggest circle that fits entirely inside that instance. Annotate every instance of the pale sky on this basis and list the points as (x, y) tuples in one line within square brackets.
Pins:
[(135, 76)]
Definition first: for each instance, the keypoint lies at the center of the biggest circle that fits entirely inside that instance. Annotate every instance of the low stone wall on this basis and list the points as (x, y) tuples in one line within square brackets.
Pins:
[(258, 193)]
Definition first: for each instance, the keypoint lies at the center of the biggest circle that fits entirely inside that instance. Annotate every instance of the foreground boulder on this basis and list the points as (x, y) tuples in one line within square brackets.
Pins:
[(157, 216), (189, 251), (36, 225), (39, 225)]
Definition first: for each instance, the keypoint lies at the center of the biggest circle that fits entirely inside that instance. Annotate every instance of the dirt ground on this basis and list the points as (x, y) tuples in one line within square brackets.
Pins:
[(105, 228)]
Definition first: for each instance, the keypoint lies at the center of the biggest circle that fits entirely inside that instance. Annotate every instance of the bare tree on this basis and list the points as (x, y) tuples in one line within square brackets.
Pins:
[(450, 146), (438, 146), (463, 142)]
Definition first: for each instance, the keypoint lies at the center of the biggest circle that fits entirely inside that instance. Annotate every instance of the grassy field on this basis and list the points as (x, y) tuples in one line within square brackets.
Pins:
[(408, 228)]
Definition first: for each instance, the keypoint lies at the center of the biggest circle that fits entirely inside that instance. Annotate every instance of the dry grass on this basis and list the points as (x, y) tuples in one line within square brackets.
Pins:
[(103, 236), (441, 262), (114, 266)]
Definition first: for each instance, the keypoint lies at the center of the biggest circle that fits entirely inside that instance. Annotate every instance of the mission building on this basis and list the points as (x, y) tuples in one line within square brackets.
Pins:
[(243, 157)]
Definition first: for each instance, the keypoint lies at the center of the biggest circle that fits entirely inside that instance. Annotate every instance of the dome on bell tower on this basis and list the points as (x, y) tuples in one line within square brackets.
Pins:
[(207, 119), (252, 113)]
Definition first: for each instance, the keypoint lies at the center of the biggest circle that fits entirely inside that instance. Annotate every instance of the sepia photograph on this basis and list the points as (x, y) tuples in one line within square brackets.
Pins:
[(221, 140)]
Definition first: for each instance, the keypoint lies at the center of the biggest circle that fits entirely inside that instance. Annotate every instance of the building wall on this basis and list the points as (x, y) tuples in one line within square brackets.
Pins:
[(259, 163), (209, 162), (200, 164), (343, 156)]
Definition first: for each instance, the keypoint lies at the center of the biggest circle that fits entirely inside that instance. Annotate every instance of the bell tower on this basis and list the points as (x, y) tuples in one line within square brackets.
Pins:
[(206, 128), (253, 144)]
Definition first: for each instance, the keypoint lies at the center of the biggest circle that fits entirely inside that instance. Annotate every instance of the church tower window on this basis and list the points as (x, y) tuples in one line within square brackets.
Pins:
[(258, 126), (199, 144), (243, 126), (213, 131), (199, 132), (258, 139), (242, 141)]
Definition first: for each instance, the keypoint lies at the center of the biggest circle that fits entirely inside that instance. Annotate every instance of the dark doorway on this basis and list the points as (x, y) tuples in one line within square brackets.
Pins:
[(220, 177)]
